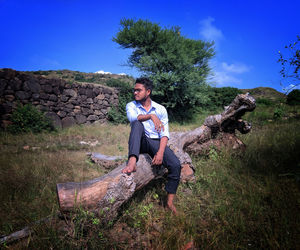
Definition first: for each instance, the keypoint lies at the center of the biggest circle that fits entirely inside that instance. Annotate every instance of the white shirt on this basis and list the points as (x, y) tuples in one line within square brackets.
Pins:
[(134, 109)]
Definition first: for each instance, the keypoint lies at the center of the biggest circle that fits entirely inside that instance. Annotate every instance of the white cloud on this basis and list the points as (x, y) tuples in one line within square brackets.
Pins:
[(237, 68), (210, 32), (228, 74), (222, 78), (102, 72)]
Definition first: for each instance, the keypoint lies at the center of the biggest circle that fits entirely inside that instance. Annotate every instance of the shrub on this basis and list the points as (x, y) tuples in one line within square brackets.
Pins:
[(220, 97), (264, 101), (28, 118), (293, 97), (278, 112), (79, 77), (118, 114)]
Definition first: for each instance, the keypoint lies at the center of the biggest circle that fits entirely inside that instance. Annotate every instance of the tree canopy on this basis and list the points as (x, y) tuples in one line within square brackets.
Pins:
[(177, 65)]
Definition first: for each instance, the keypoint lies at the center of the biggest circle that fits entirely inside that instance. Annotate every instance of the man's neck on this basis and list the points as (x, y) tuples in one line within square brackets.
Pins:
[(146, 103)]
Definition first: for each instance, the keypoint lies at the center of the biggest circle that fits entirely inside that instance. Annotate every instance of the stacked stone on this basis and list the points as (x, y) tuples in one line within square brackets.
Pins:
[(64, 103)]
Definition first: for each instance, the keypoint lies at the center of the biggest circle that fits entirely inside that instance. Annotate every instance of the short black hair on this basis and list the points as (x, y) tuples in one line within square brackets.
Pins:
[(148, 84)]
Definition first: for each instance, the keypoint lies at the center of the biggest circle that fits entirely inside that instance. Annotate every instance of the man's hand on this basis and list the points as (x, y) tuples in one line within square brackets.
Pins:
[(157, 123), (158, 158)]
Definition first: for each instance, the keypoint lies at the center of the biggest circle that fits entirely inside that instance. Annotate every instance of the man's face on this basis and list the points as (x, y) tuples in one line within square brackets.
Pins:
[(140, 93)]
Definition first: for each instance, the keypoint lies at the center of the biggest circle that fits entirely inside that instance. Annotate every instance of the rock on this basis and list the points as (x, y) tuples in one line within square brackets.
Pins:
[(9, 98), (44, 96), (83, 97), (70, 106), (96, 91), (55, 119), (100, 97), (107, 91), (89, 93), (89, 100), (64, 98), (81, 91), (92, 118), (187, 174), (80, 119), (68, 122), (53, 98), (3, 84), (16, 84), (70, 92), (35, 96), (97, 112), (47, 88), (22, 95), (32, 86), (56, 91), (61, 114)]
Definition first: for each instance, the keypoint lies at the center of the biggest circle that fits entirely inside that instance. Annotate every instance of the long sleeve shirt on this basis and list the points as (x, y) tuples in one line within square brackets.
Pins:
[(134, 109)]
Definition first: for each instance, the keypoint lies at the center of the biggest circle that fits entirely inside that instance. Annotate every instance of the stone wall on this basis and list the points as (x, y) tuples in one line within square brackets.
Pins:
[(66, 104)]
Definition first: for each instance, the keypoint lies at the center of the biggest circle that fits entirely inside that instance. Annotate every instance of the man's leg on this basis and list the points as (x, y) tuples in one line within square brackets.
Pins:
[(136, 137), (171, 162)]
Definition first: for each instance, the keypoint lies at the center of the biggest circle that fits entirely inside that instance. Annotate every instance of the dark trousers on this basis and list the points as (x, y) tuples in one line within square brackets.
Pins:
[(139, 143)]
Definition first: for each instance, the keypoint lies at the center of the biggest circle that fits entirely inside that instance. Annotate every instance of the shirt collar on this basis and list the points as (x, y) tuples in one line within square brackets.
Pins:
[(153, 105)]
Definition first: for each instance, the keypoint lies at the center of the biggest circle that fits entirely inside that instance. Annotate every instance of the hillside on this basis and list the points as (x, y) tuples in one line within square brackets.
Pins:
[(77, 76), (266, 93)]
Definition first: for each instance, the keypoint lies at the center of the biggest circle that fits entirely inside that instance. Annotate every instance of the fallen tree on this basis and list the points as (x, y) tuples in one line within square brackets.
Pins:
[(105, 195)]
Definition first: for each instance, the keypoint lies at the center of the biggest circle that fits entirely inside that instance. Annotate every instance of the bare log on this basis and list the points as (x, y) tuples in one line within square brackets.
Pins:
[(105, 195)]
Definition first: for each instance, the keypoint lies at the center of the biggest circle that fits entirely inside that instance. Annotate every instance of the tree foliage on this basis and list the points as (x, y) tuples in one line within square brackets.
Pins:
[(290, 62), (293, 98), (220, 97), (177, 65)]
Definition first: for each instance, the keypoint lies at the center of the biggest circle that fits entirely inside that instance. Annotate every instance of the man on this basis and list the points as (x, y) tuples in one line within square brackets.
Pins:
[(150, 134)]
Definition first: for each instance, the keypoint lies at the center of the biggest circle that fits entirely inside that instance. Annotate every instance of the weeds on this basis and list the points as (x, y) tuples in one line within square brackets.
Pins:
[(238, 201)]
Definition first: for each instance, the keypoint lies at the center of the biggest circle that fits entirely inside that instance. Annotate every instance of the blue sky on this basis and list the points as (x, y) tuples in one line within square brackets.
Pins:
[(77, 35)]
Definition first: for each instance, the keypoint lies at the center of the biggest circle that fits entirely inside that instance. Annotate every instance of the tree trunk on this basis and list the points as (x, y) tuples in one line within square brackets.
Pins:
[(105, 195)]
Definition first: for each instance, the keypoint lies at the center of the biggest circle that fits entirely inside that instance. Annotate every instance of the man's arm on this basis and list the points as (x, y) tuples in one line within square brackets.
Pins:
[(158, 158), (157, 123)]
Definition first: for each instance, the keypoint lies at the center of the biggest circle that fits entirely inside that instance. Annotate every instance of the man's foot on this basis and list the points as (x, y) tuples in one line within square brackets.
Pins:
[(170, 203), (131, 165), (129, 169)]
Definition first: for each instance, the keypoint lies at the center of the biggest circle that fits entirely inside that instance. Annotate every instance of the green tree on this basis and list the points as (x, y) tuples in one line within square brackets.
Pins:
[(293, 98), (220, 97), (290, 62), (178, 66)]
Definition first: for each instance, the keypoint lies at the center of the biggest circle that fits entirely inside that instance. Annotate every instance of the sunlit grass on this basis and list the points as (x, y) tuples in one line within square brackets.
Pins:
[(239, 201)]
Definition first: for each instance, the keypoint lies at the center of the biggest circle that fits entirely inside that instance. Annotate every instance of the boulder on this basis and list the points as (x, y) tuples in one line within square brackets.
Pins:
[(32, 86), (47, 88), (55, 119), (68, 122), (80, 119), (92, 118), (70, 92)]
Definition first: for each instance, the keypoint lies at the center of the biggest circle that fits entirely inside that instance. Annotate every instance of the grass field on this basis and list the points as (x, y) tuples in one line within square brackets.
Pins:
[(249, 200)]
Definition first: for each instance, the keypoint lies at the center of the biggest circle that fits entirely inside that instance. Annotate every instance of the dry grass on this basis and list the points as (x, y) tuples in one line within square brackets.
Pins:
[(237, 202)]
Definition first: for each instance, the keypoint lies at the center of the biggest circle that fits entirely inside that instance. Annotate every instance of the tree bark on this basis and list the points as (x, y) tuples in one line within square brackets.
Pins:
[(105, 195)]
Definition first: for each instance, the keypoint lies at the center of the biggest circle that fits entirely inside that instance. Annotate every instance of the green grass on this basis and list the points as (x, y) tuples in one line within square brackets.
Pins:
[(247, 200)]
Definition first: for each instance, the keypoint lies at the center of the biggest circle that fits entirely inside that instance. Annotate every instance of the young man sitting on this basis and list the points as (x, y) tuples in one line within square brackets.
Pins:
[(150, 134)]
